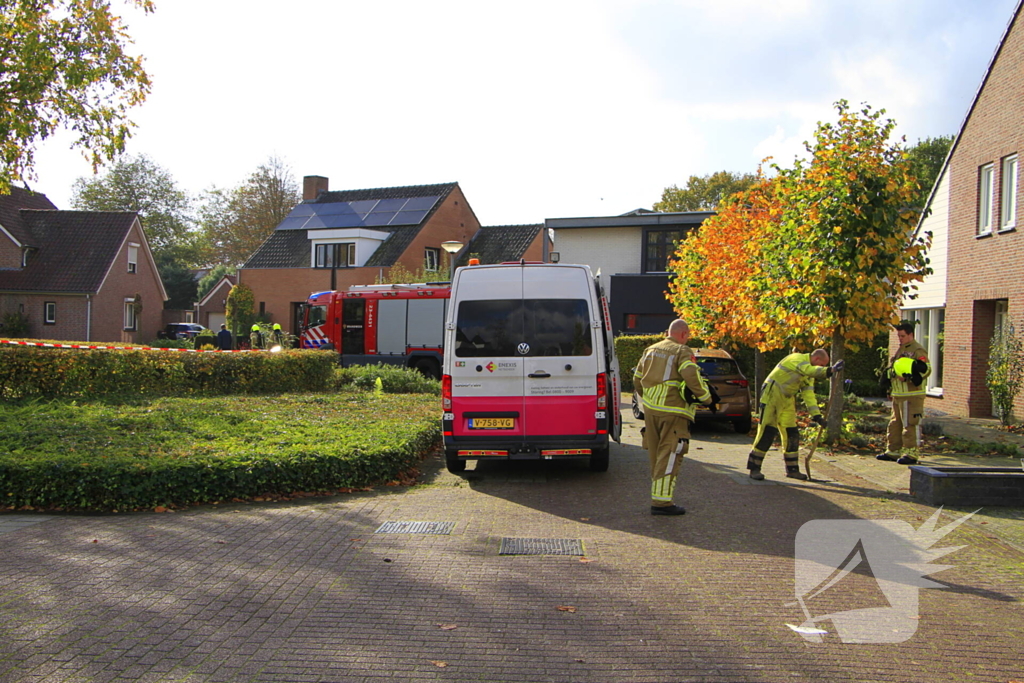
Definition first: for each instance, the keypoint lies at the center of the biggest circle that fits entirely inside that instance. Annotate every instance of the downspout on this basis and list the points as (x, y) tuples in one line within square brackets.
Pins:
[(88, 317)]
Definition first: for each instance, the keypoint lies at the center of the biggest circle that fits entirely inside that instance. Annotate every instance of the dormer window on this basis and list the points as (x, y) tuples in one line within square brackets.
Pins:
[(133, 258), (340, 255)]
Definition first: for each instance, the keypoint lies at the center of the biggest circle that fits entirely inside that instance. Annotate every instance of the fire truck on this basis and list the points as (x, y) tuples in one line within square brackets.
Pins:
[(368, 324)]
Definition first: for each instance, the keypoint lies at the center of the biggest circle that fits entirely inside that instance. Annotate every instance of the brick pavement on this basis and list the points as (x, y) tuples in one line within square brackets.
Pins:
[(308, 592)]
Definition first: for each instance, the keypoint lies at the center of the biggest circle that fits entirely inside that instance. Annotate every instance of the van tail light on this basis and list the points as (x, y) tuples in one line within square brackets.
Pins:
[(446, 393), (602, 391), (738, 382)]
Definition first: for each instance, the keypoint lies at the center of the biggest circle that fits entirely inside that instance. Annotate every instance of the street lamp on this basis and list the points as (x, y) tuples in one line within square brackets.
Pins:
[(452, 247)]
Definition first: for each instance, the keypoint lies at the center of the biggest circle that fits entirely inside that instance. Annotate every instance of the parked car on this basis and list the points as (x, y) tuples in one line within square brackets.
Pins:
[(721, 371), (180, 331)]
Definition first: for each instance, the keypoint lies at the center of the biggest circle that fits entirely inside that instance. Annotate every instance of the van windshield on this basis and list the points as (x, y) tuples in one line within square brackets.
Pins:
[(548, 327)]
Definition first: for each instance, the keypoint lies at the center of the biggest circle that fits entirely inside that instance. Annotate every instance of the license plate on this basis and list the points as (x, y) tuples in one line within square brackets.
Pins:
[(492, 423)]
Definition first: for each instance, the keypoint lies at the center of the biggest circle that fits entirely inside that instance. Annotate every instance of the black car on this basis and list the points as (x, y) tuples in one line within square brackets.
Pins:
[(180, 331)]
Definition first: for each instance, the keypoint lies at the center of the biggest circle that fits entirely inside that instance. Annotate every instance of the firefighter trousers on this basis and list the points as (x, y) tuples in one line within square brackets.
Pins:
[(667, 440), (905, 423)]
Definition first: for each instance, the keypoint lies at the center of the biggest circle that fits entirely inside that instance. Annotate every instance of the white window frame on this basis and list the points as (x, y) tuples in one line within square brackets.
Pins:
[(133, 257), (346, 254), (130, 321), (986, 178), (1008, 197), (930, 326), (50, 313), (431, 259)]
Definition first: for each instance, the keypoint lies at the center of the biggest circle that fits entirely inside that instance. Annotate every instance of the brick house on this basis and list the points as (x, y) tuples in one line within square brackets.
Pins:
[(977, 252), (336, 239), (77, 275), (211, 310), (632, 252)]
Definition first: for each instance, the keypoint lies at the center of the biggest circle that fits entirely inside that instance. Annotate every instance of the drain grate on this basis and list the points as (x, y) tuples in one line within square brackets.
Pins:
[(441, 528), (541, 546)]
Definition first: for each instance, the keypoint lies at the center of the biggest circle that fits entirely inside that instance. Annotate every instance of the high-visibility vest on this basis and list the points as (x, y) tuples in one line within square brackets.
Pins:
[(662, 374)]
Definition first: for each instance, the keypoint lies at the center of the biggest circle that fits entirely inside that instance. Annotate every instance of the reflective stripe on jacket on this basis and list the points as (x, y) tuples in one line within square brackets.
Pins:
[(664, 371), (904, 388)]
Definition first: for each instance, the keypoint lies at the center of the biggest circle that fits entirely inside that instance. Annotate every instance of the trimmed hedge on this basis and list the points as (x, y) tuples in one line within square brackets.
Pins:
[(860, 364), (33, 372), (174, 452)]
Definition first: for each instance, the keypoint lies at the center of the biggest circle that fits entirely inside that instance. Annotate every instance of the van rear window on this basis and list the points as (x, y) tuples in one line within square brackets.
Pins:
[(548, 327)]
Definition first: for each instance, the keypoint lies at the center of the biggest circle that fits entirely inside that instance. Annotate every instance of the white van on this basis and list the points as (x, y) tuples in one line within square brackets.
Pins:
[(529, 366)]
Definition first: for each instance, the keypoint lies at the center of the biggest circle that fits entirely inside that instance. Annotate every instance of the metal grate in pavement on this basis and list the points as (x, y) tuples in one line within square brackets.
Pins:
[(541, 546), (440, 528)]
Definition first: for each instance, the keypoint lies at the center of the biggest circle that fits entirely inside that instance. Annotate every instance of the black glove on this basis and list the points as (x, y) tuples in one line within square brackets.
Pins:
[(714, 406), (688, 396), (836, 367), (818, 420)]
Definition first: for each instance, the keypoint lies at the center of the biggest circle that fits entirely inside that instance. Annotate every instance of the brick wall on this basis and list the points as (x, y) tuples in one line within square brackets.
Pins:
[(108, 304), (982, 270)]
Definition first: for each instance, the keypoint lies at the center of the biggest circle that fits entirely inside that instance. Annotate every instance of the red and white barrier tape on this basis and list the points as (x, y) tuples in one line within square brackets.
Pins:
[(99, 347)]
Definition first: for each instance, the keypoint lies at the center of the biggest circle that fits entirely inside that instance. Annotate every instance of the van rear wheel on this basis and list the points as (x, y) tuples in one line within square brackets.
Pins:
[(428, 367), (452, 462), (599, 460)]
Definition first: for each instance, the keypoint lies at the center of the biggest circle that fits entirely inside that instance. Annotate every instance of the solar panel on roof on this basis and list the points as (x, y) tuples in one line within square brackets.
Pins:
[(303, 210), (389, 205), (363, 205), (341, 220), (293, 223), (379, 218), (408, 218), (333, 208), (420, 203)]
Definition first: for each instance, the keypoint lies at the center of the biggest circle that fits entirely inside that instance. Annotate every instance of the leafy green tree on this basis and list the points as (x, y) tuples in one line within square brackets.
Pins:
[(64, 64), (139, 184), (240, 309), (237, 221), (1005, 375), (216, 274), (704, 193), (926, 159), (179, 281), (845, 254)]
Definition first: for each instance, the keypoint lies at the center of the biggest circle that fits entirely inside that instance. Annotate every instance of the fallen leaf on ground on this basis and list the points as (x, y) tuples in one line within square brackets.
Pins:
[(566, 608), (447, 627), (159, 508), (438, 663), (585, 560), (584, 519)]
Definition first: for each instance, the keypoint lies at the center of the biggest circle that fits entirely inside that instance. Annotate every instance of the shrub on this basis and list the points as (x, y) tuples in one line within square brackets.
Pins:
[(1005, 375), (394, 379)]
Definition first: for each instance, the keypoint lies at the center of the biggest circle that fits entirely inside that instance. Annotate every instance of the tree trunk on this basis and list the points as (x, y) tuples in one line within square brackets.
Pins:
[(836, 394), (758, 376)]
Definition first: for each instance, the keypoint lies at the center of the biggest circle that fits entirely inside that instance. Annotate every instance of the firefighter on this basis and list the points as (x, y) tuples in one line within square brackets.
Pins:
[(795, 374), (255, 338), (670, 385), (277, 336), (908, 369)]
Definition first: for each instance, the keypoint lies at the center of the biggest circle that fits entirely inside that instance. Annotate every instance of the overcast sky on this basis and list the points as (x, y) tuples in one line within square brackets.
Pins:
[(538, 110)]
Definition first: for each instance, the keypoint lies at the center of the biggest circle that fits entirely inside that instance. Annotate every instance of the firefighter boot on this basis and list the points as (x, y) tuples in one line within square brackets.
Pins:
[(793, 466), (754, 461)]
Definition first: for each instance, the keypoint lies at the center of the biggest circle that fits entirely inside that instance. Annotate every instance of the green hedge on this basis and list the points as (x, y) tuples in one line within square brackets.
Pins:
[(860, 365), (27, 372), (174, 452)]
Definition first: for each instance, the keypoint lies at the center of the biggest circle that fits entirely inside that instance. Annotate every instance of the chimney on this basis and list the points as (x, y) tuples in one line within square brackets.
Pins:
[(312, 186)]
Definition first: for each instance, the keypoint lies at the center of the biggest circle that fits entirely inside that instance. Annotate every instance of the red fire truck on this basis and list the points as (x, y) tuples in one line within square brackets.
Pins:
[(368, 324)]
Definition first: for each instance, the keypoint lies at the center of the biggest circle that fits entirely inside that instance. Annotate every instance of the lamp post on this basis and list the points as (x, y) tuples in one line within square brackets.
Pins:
[(452, 247)]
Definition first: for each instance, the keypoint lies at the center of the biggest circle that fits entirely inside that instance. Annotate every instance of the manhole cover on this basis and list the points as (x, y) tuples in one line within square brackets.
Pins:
[(443, 528), (541, 546)]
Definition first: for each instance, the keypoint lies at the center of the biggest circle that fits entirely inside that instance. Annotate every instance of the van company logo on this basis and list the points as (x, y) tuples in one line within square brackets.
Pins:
[(490, 366), (878, 561)]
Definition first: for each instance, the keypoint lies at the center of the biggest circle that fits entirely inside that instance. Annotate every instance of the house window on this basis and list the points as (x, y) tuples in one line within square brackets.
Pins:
[(130, 322), (1002, 317), (50, 313), (659, 247), (929, 331), (1008, 213), (985, 174), (133, 258), (431, 259), (342, 255)]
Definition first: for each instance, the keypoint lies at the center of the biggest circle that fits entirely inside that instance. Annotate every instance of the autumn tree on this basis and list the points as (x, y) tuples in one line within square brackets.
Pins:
[(845, 254), (704, 193), (240, 309), (237, 221), (64, 65)]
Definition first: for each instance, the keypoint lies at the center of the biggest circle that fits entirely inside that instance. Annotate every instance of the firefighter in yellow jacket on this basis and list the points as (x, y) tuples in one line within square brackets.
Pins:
[(907, 373), (670, 385), (794, 375)]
